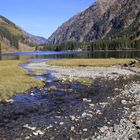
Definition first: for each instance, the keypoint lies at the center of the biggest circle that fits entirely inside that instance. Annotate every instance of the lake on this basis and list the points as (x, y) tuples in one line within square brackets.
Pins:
[(59, 55)]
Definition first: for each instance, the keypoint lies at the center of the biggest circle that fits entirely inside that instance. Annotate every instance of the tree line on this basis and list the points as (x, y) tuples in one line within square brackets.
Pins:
[(122, 43), (64, 46), (114, 44)]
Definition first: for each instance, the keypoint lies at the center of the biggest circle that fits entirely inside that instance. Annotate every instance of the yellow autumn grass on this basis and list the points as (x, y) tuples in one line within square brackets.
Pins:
[(89, 62), (14, 80)]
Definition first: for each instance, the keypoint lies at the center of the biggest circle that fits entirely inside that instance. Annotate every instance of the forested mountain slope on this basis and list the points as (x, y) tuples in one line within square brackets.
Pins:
[(13, 38)]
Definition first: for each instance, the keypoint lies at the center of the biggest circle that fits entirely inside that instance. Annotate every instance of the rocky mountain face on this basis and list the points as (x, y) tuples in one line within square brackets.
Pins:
[(103, 19), (13, 38)]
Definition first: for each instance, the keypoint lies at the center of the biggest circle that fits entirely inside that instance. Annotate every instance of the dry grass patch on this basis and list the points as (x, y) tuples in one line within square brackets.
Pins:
[(89, 62), (85, 81), (14, 79)]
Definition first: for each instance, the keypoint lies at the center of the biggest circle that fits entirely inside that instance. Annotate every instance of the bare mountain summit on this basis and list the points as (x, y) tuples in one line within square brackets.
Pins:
[(103, 19)]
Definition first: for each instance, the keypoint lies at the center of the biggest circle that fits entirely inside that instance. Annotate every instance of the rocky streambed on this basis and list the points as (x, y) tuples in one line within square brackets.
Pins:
[(67, 109)]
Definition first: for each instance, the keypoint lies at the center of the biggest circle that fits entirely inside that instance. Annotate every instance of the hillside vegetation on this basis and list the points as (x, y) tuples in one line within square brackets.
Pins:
[(12, 38)]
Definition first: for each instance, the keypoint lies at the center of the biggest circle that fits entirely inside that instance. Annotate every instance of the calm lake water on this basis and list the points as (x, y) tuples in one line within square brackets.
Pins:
[(59, 55)]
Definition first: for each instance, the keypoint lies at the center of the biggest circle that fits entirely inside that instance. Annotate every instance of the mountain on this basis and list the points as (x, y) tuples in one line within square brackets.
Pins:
[(103, 19), (35, 39), (13, 38)]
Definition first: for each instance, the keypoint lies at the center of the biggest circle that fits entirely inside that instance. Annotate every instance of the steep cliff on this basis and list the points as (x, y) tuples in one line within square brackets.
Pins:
[(103, 19)]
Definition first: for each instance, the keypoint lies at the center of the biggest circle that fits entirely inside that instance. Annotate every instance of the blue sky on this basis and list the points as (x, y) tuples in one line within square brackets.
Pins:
[(41, 17)]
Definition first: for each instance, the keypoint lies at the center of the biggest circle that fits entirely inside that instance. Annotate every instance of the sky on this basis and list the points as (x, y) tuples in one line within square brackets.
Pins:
[(41, 17)]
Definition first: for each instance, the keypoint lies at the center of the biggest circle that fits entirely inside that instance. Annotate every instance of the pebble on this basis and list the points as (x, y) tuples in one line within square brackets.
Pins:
[(72, 118), (29, 127), (91, 105), (61, 123), (58, 117), (98, 112), (72, 128), (38, 132), (86, 100), (138, 121), (35, 133), (50, 126), (84, 114), (124, 102), (85, 130), (103, 129), (27, 138), (90, 115)]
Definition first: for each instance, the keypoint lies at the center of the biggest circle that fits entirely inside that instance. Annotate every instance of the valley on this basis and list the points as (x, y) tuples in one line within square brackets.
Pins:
[(82, 82)]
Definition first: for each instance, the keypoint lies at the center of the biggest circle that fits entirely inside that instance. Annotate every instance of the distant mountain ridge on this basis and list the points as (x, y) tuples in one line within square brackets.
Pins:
[(103, 19), (35, 39)]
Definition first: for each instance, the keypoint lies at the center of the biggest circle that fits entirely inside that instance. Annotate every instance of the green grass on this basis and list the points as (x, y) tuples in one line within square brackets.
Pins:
[(14, 80), (89, 62)]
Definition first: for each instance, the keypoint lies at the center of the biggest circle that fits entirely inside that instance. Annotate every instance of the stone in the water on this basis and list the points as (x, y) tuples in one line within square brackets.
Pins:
[(10, 101), (32, 94)]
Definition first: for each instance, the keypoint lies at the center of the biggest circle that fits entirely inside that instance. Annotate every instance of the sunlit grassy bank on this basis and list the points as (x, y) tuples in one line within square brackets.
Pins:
[(14, 79), (89, 62)]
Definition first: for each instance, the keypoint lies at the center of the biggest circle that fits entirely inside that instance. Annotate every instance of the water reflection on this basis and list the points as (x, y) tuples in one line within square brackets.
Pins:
[(59, 55), (112, 54)]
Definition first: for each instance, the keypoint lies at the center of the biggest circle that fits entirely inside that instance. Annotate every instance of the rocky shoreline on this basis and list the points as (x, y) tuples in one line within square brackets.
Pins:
[(73, 73), (108, 108)]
